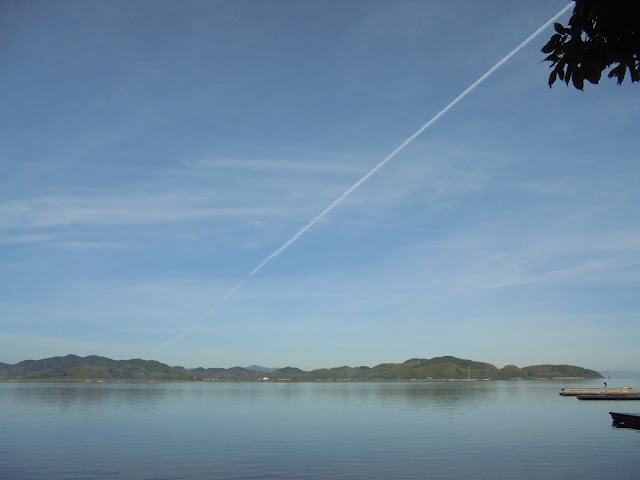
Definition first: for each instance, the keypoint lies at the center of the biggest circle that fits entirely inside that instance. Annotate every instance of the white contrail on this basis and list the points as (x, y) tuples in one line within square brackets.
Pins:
[(371, 172)]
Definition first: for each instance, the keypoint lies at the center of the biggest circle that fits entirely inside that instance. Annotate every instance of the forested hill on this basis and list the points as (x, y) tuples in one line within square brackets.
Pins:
[(73, 367)]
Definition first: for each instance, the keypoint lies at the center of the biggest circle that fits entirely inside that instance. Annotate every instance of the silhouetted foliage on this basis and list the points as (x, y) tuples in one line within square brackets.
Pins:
[(601, 34)]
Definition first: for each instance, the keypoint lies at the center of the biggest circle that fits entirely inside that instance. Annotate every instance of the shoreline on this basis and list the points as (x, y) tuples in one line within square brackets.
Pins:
[(280, 381)]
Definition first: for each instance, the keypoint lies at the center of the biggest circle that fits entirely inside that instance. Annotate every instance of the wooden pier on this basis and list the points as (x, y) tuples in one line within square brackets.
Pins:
[(626, 420), (574, 392)]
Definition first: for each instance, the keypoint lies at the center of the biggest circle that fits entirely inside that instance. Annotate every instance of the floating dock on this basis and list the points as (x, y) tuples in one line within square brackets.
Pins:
[(626, 420), (609, 396), (573, 392)]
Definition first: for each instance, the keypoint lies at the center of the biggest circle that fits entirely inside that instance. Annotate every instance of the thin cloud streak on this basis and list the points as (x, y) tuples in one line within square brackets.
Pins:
[(71, 244), (283, 165), (26, 238), (50, 343), (388, 158), (116, 210)]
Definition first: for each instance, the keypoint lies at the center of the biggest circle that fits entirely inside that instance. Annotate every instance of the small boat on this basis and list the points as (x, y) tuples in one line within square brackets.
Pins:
[(626, 420)]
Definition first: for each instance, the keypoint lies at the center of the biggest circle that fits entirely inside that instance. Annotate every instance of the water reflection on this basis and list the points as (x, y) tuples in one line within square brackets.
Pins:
[(445, 395), (359, 431), (94, 395), (72, 394)]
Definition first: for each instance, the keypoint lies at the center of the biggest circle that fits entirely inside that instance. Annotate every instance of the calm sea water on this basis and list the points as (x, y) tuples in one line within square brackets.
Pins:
[(479, 430)]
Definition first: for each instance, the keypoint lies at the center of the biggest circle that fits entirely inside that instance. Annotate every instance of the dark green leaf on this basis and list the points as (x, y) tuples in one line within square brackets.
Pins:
[(593, 77), (553, 58), (578, 81), (568, 73), (592, 72), (618, 72), (553, 44)]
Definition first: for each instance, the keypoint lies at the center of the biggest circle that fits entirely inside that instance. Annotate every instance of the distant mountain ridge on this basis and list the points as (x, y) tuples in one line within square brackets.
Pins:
[(73, 367), (258, 368)]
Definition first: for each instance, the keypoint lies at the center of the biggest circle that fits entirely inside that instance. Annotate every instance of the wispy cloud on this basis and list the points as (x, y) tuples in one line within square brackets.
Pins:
[(311, 167), (26, 238), (122, 210), (593, 271), (50, 343), (51, 240), (71, 244), (461, 262), (428, 177), (490, 241)]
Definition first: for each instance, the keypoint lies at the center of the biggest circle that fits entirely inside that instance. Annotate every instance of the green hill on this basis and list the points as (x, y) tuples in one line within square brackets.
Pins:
[(556, 371), (438, 368), (94, 367)]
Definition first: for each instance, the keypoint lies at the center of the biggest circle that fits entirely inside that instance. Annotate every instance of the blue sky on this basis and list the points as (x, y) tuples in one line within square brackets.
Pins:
[(152, 154)]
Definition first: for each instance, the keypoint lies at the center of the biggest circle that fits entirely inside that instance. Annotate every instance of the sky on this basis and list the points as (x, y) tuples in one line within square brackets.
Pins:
[(154, 153)]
